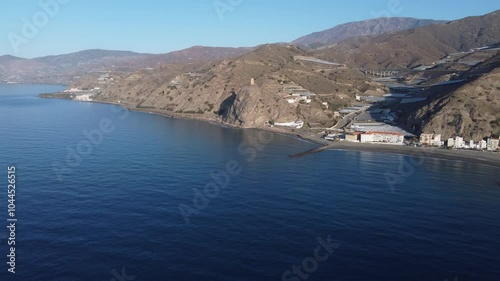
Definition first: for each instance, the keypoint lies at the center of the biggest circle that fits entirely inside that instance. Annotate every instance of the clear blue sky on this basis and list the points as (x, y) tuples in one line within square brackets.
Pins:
[(160, 26)]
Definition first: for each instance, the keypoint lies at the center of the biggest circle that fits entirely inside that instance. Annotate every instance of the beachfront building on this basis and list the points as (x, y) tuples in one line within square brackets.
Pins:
[(482, 145), (353, 137), (431, 140), (426, 139), (335, 136), (492, 144), (451, 142), (459, 142), (472, 144), (383, 137), (437, 141)]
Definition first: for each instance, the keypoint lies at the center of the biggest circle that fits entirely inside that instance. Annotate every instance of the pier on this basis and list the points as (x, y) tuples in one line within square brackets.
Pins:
[(311, 151)]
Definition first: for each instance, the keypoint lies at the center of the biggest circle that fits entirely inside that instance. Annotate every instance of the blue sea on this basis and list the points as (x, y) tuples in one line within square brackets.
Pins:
[(103, 193)]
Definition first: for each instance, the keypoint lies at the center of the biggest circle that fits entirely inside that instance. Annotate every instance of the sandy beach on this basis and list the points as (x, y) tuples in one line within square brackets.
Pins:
[(480, 157)]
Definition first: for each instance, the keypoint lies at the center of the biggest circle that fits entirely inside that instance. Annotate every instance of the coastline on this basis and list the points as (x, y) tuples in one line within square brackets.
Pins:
[(472, 156), (478, 157)]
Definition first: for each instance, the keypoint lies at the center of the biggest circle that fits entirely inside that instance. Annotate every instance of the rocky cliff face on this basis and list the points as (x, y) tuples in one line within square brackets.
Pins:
[(471, 111), (248, 108)]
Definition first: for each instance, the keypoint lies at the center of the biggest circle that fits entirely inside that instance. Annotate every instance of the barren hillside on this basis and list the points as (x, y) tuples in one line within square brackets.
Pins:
[(362, 28), (471, 111), (422, 45), (222, 91)]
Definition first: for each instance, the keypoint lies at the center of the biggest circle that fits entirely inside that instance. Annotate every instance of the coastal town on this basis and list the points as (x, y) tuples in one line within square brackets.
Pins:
[(372, 119), (367, 123), (425, 140), (369, 117), (369, 120)]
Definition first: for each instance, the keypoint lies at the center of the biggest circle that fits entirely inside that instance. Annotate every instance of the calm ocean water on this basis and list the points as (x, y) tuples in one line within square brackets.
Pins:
[(106, 207)]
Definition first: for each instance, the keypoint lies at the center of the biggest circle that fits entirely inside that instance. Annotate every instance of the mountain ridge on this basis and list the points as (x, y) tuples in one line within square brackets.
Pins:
[(67, 68), (422, 45), (359, 28)]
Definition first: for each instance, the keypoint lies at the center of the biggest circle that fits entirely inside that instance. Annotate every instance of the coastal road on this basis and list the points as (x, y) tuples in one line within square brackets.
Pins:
[(344, 121)]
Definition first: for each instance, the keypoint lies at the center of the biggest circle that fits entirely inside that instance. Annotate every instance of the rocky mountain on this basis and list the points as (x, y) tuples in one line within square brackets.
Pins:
[(369, 27), (471, 110), (65, 69), (223, 91), (201, 53), (422, 45), (8, 59), (87, 57)]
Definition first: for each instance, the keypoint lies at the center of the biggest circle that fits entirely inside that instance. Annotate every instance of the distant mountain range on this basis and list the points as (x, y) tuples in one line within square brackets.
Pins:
[(361, 28), (68, 68), (382, 42)]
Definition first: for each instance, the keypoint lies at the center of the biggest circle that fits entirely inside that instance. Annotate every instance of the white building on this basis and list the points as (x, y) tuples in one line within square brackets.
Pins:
[(297, 124), (451, 142), (87, 97), (295, 98), (492, 144), (426, 139), (383, 137), (482, 145), (472, 145), (431, 139), (437, 141), (73, 90), (459, 142)]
